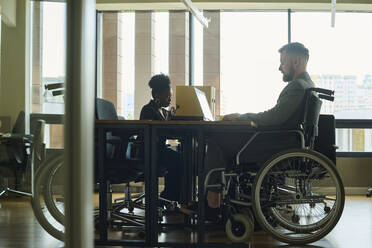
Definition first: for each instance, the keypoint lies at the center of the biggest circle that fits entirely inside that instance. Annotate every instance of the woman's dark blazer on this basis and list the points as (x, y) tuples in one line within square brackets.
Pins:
[(151, 112)]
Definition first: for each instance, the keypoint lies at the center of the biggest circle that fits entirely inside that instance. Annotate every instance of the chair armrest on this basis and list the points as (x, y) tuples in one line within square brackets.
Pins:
[(16, 136), (135, 150), (114, 140)]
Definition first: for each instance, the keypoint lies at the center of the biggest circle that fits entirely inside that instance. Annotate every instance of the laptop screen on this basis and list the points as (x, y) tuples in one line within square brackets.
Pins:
[(204, 105)]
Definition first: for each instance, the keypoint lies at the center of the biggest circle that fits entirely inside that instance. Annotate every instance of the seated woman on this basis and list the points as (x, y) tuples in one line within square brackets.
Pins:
[(168, 159)]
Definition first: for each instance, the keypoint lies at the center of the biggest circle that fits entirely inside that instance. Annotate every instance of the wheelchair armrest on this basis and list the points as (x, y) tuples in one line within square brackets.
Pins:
[(277, 128), (270, 130)]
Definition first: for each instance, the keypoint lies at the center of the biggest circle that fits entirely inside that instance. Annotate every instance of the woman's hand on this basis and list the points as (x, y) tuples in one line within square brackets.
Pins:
[(231, 117), (172, 111)]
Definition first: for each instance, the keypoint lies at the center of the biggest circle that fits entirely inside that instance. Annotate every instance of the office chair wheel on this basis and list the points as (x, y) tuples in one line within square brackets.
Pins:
[(369, 192), (130, 209), (41, 211), (290, 193), (239, 227), (171, 206)]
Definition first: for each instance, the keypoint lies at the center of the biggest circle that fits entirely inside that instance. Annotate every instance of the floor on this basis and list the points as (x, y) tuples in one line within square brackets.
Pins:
[(19, 228)]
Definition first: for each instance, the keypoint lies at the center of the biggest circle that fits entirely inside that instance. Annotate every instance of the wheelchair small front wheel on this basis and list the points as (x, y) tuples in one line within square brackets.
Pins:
[(240, 229)]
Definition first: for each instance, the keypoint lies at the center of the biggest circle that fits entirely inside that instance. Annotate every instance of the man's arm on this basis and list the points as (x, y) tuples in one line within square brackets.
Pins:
[(287, 105)]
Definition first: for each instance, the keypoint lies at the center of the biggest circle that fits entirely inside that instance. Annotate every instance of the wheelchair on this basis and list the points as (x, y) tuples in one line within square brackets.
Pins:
[(295, 194)]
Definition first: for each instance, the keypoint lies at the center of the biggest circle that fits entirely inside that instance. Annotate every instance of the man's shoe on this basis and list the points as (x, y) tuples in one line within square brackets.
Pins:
[(211, 214)]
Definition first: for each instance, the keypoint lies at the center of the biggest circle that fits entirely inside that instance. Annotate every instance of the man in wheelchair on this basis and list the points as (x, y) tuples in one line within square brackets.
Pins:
[(286, 113), (261, 171)]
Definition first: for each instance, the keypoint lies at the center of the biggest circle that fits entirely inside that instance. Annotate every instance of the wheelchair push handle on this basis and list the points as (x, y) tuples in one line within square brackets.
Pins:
[(326, 97), (323, 91)]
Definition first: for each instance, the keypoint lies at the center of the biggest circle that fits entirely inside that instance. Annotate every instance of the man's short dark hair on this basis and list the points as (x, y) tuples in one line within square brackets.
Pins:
[(296, 48), (159, 83)]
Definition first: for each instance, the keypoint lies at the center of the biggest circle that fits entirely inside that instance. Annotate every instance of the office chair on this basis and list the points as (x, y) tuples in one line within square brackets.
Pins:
[(21, 149), (124, 157), (122, 170)]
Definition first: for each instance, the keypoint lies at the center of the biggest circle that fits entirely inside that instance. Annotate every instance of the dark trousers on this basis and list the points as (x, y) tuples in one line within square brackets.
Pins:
[(223, 149), (170, 162)]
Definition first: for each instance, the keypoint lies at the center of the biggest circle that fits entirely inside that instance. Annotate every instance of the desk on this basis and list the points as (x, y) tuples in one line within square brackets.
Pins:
[(194, 135)]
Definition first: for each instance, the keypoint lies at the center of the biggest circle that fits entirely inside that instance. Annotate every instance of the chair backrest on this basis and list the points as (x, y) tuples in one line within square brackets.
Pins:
[(38, 146), (326, 140), (311, 112), (311, 117), (19, 125), (105, 110)]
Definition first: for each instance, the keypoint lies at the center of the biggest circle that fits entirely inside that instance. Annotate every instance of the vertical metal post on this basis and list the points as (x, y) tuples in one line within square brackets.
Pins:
[(154, 186), (201, 175), (80, 71), (191, 49), (289, 25), (148, 189)]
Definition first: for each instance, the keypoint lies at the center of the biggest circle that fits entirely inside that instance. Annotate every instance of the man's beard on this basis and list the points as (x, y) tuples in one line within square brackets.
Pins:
[(289, 77)]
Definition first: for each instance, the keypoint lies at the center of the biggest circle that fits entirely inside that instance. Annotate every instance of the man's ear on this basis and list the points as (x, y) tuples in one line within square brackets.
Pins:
[(295, 61)]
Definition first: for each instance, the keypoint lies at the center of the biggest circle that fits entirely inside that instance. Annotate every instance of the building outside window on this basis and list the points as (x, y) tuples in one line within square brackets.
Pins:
[(341, 60)]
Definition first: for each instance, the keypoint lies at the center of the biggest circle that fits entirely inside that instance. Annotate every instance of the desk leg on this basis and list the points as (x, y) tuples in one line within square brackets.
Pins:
[(201, 197), (187, 156), (188, 185), (102, 187), (151, 188)]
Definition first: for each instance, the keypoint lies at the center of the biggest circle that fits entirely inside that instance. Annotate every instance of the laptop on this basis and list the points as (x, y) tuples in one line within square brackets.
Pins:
[(207, 113)]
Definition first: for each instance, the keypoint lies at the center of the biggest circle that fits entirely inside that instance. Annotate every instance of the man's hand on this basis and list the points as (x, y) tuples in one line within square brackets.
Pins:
[(231, 117)]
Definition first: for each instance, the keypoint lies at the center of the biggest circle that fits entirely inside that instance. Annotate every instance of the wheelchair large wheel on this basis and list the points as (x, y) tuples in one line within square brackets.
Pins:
[(41, 211), (298, 196), (54, 197)]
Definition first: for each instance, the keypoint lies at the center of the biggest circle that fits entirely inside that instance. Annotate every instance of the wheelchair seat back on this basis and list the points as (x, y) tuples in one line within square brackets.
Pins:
[(311, 117)]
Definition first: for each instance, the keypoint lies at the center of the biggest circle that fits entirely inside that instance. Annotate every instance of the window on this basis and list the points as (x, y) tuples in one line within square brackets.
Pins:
[(127, 45), (49, 55), (117, 47), (161, 46), (341, 60), (48, 25), (197, 37), (250, 60)]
